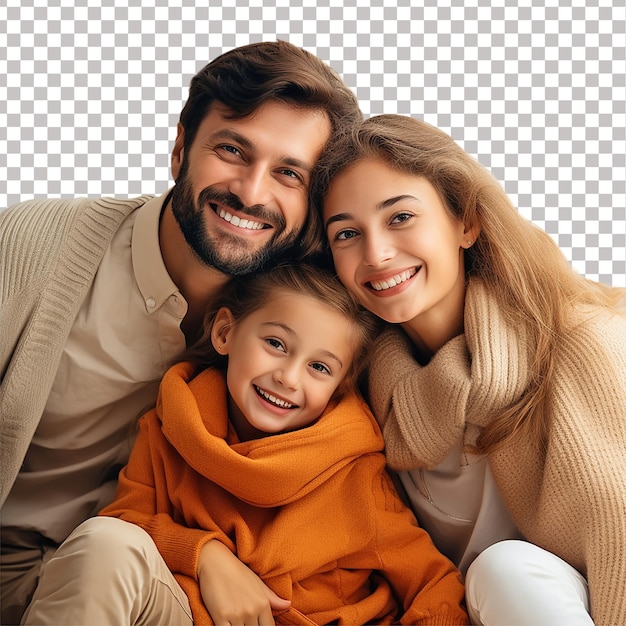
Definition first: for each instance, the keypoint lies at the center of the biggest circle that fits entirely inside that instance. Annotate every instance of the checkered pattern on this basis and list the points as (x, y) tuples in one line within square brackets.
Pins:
[(90, 92)]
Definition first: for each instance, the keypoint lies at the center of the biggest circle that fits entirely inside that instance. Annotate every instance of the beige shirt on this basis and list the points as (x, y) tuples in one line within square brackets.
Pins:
[(125, 335)]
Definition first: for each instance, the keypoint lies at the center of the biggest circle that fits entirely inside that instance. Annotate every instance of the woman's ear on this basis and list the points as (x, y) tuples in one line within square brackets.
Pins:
[(470, 234), (178, 152), (220, 331)]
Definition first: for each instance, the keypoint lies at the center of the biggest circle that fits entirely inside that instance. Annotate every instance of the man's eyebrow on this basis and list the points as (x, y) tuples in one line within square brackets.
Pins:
[(233, 135), (297, 163), (385, 204)]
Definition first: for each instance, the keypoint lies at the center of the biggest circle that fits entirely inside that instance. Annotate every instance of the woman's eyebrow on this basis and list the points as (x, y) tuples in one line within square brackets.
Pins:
[(385, 204), (339, 217)]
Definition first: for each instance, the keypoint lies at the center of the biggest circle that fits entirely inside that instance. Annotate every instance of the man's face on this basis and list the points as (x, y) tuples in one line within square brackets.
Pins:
[(241, 193)]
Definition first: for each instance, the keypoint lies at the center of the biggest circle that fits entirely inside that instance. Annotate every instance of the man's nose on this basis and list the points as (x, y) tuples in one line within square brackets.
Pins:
[(253, 186)]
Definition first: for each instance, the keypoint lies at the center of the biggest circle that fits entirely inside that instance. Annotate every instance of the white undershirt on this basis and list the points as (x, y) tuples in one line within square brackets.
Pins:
[(459, 505)]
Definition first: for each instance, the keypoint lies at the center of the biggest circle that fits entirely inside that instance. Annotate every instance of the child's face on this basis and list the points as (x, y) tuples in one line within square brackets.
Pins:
[(285, 361), (394, 243)]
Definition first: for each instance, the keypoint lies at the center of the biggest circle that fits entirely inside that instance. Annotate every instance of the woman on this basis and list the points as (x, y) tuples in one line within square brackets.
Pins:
[(501, 392)]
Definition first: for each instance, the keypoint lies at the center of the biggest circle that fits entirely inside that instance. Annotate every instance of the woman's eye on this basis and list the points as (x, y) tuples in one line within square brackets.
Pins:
[(320, 367), (275, 343), (345, 234), (401, 217)]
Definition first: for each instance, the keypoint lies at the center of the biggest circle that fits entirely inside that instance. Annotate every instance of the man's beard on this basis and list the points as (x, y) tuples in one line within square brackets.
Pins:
[(226, 253)]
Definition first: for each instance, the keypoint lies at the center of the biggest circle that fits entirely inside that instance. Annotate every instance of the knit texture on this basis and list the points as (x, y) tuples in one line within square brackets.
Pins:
[(573, 501), (312, 512), (50, 251)]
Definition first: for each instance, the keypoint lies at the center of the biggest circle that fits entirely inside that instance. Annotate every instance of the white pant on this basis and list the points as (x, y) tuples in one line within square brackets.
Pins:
[(108, 572), (515, 583)]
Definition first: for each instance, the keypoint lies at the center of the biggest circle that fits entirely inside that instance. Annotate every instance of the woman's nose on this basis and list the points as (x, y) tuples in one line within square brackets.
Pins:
[(377, 250)]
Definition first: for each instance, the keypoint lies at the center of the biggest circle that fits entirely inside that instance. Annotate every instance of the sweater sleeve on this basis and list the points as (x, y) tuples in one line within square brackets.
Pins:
[(405, 396), (142, 498), (589, 475), (425, 581)]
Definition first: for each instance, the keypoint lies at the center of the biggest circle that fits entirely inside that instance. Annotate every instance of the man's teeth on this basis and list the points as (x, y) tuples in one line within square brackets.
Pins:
[(381, 285), (235, 221), (274, 400)]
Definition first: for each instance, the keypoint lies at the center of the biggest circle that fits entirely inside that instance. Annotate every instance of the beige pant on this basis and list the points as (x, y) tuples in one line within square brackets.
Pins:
[(24, 555), (108, 572)]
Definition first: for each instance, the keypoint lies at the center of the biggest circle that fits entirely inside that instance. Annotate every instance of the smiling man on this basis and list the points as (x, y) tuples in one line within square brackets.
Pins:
[(98, 296)]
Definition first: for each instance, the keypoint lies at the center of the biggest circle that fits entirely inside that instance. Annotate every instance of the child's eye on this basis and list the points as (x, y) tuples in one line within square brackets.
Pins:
[(320, 367), (276, 343)]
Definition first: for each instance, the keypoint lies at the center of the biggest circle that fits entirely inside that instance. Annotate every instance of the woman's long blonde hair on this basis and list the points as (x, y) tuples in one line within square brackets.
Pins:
[(516, 259)]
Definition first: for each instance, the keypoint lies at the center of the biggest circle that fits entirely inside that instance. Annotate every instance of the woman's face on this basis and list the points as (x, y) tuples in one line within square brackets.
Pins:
[(396, 246)]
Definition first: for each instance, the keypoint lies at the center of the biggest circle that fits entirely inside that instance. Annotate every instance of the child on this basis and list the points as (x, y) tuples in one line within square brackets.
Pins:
[(259, 444), (501, 392)]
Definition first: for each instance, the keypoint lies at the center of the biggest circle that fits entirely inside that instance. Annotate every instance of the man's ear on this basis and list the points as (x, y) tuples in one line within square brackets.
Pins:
[(178, 153), (220, 331)]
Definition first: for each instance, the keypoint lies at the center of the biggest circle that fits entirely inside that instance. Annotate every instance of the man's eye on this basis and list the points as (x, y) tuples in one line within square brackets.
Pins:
[(230, 149), (291, 174)]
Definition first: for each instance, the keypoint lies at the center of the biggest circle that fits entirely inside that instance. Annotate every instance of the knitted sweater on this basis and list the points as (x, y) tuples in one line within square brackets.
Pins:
[(571, 502), (50, 251), (312, 512)]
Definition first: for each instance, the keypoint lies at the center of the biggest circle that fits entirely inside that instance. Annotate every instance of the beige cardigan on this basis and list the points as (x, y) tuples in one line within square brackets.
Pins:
[(573, 502), (50, 251)]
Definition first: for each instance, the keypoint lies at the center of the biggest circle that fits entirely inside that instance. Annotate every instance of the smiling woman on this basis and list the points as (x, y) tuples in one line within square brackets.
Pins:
[(499, 383), (398, 249)]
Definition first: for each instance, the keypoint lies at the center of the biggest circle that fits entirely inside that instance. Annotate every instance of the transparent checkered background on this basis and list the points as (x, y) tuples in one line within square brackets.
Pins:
[(90, 93)]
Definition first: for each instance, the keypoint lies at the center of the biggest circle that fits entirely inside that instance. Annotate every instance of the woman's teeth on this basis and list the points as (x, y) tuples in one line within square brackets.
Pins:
[(381, 285)]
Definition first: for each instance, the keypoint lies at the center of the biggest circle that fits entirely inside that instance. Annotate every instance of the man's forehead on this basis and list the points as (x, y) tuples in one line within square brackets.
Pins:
[(268, 123)]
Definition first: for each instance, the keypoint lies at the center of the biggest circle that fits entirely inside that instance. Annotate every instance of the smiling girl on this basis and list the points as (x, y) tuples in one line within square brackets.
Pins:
[(260, 478), (501, 390)]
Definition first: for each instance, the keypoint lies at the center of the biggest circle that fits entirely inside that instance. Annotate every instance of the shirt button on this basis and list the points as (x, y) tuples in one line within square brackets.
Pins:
[(151, 303)]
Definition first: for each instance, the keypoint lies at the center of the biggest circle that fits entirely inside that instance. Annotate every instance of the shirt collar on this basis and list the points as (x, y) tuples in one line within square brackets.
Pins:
[(152, 277)]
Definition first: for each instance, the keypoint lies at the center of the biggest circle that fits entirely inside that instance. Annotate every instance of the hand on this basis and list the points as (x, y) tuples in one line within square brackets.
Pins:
[(232, 592)]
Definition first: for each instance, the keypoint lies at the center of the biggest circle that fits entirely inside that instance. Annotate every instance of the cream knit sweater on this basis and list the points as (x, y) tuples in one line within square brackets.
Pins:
[(573, 501), (50, 251)]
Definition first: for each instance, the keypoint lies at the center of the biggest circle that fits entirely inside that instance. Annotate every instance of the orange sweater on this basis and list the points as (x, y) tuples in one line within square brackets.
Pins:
[(312, 512)]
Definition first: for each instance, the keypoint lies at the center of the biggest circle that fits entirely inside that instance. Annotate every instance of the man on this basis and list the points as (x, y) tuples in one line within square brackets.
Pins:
[(97, 297)]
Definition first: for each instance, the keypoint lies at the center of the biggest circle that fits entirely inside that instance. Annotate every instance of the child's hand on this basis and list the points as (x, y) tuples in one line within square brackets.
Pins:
[(232, 592)]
